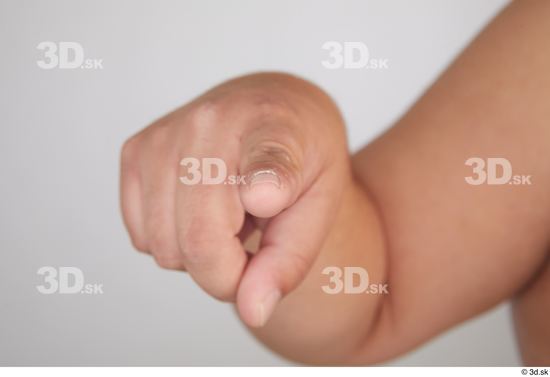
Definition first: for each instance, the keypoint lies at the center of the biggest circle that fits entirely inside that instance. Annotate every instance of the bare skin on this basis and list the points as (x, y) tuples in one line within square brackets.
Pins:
[(400, 208)]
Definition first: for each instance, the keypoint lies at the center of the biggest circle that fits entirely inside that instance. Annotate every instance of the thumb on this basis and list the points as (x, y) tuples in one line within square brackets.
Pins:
[(273, 177), (289, 246), (288, 186)]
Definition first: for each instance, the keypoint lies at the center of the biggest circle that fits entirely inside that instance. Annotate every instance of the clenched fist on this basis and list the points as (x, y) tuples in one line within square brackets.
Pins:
[(283, 142)]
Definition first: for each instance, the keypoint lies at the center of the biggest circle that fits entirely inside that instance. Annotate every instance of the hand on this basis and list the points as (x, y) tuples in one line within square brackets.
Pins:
[(286, 138)]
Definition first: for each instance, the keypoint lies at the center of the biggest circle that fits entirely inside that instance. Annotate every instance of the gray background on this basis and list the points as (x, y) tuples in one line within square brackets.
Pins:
[(61, 132)]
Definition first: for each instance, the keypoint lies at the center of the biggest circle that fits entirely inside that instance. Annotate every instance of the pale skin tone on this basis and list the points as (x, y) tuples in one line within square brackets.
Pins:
[(400, 208)]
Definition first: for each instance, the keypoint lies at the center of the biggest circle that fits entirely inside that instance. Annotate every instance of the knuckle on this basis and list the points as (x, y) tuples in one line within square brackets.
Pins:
[(168, 262), (158, 138), (160, 245), (156, 213), (191, 247), (270, 105), (299, 263), (160, 242), (139, 244), (271, 154), (271, 150), (204, 115), (222, 285), (192, 241), (224, 292), (297, 267), (129, 150)]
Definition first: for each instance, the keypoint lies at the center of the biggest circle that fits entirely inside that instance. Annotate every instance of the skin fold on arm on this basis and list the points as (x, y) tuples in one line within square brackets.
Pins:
[(448, 250)]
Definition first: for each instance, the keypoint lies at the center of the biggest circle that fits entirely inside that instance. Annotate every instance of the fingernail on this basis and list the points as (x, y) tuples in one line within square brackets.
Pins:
[(266, 307), (265, 176)]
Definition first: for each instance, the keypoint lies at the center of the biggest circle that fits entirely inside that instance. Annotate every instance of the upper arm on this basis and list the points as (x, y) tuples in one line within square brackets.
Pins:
[(456, 249)]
